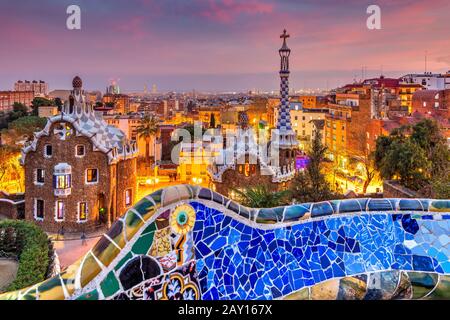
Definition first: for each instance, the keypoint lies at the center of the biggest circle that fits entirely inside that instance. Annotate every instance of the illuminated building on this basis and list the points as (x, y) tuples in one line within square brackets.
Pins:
[(79, 171), (8, 98), (129, 124), (302, 122), (194, 159), (40, 88), (121, 102)]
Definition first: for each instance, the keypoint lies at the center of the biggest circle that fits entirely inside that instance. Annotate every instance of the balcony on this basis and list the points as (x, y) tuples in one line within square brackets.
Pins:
[(63, 192)]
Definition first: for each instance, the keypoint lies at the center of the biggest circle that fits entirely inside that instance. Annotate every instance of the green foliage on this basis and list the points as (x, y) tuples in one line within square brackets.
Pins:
[(441, 188), (407, 161), (146, 129), (261, 196), (58, 102), (31, 246), (26, 126), (416, 155), (311, 185), (19, 111)]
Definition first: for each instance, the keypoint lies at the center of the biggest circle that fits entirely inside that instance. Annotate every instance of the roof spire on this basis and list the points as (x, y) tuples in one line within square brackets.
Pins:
[(284, 36)]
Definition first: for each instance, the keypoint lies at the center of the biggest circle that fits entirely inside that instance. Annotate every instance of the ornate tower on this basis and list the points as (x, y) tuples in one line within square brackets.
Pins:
[(284, 126), (283, 136)]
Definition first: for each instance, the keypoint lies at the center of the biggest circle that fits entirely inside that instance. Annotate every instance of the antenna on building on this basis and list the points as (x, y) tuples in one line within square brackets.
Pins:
[(426, 60)]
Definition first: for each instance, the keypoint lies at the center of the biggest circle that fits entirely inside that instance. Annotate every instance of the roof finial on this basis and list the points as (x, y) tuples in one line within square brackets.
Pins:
[(285, 35)]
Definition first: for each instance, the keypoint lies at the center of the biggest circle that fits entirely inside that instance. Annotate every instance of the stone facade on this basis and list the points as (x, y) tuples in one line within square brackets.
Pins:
[(78, 180)]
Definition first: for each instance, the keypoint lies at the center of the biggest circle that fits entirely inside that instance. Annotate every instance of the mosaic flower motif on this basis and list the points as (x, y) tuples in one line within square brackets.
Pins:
[(173, 289), (189, 294), (182, 219), (179, 287)]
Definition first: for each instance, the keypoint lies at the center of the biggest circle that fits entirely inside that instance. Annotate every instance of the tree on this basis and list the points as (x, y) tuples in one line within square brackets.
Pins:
[(364, 158), (24, 127), (147, 129), (407, 161), (427, 135), (58, 103), (212, 123), (311, 185), (261, 196), (416, 155), (19, 111)]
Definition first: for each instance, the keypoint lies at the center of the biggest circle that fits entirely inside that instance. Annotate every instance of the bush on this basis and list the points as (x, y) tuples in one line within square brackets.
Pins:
[(31, 247)]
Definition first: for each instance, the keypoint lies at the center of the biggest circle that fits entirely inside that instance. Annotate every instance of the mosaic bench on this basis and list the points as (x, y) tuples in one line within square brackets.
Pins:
[(187, 242)]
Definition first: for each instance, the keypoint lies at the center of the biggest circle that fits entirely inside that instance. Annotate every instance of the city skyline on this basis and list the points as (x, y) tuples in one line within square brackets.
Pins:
[(218, 45)]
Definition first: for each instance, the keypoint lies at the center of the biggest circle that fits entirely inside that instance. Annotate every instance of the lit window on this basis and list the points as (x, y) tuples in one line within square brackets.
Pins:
[(128, 197), (48, 150), (39, 209), (91, 175), (40, 176), (79, 150), (60, 210), (62, 181), (82, 211)]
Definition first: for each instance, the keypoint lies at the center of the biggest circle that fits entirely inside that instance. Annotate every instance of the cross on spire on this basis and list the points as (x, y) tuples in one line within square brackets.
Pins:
[(285, 35)]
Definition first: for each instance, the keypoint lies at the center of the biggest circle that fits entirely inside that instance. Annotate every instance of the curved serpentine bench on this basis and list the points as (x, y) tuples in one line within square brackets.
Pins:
[(188, 242)]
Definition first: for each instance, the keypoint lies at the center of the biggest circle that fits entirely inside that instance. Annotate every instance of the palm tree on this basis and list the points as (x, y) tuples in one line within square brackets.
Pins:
[(147, 129), (261, 196)]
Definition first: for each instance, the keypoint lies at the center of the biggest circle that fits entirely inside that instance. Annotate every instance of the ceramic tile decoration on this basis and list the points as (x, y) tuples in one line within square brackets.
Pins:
[(189, 243)]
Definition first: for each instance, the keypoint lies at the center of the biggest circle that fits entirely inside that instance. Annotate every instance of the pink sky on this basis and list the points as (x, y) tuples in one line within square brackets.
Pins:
[(218, 44)]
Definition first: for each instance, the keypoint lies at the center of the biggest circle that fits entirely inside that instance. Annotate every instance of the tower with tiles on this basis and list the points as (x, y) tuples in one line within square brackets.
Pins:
[(283, 137)]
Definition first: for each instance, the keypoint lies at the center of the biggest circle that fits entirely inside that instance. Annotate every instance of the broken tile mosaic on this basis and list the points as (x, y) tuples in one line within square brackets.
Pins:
[(188, 243)]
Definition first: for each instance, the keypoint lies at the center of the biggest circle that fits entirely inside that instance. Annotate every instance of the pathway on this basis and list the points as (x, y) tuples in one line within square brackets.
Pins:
[(8, 272)]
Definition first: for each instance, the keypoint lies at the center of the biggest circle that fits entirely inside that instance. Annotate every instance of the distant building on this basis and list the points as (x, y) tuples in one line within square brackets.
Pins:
[(302, 122), (194, 159), (429, 80), (346, 126), (129, 125), (404, 90), (121, 102), (8, 98), (61, 94), (80, 173), (47, 111), (432, 102), (113, 88), (40, 88), (206, 113)]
